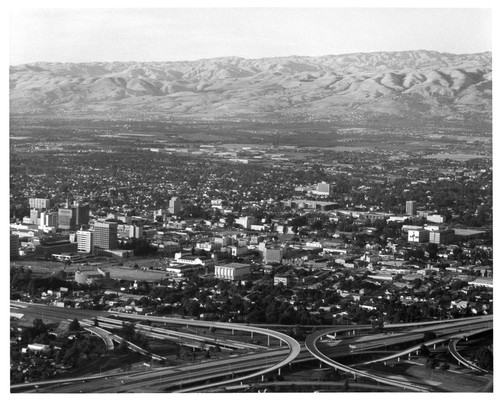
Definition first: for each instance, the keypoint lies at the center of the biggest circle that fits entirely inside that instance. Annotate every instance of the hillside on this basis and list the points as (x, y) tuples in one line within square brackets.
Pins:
[(409, 84)]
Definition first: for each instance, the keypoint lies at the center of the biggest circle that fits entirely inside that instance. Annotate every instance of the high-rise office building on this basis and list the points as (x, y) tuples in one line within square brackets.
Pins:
[(323, 188), (135, 231), (14, 246), (82, 214), (66, 219), (51, 219), (410, 208), (35, 216), (84, 240), (106, 235), (69, 218), (175, 205)]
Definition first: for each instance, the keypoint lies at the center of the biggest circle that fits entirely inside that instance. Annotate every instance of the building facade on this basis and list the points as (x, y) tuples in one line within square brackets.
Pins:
[(232, 271), (82, 214), (174, 205), (35, 216), (323, 188), (66, 219), (410, 208), (273, 255), (418, 235), (135, 231), (14, 246), (39, 203), (84, 240), (105, 235), (441, 236), (46, 250)]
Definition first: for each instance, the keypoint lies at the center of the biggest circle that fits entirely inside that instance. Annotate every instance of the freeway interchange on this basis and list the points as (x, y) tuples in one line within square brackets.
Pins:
[(258, 361)]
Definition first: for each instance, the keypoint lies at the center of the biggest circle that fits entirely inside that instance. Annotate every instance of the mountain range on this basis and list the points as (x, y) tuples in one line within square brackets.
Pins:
[(407, 84)]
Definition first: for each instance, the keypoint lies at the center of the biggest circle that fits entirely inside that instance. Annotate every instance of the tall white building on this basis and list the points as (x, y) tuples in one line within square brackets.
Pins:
[(35, 216), (410, 207), (174, 205), (245, 221), (323, 188), (84, 241), (39, 203), (135, 231)]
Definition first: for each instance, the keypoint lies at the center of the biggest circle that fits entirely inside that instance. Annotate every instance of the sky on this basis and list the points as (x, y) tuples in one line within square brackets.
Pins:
[(67, 34)]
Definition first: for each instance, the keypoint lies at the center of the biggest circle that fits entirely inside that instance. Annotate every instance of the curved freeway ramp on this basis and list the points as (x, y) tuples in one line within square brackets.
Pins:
[(105, 335), (452, 346), (447, 330), (293, 344), (311, 346), (451, 339)]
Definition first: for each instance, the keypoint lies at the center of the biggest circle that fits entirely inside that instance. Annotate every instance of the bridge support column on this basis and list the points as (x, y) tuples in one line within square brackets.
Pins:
[(232, 331), (281, 343), (251, 334), (409, 355), (279, 371), (262, 378), (399, 358), (320, 364), (434, 346), (268, 341)]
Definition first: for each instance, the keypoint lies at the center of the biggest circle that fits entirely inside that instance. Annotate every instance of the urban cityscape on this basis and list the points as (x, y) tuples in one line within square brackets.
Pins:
[(198, 248)]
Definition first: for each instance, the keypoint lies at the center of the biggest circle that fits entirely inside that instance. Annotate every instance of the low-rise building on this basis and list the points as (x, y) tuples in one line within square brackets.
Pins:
[(232, 271), (419, 235), (441, 236)]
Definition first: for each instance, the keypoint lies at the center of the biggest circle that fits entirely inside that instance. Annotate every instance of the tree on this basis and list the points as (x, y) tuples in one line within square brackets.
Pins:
[(432, 250), (128, 331), (378, 325), (122, 348), (434, 363), (424, 350), (484, 358), (74, 325)]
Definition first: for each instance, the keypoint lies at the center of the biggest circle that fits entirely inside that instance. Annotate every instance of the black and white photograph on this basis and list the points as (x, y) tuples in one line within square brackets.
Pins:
[(250, 197)]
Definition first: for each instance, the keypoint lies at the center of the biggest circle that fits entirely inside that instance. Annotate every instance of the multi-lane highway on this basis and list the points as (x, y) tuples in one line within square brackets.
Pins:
[(325, 345), (444, 330)]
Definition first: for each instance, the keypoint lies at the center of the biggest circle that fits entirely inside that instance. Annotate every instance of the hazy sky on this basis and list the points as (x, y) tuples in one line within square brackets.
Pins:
[(164, 34)]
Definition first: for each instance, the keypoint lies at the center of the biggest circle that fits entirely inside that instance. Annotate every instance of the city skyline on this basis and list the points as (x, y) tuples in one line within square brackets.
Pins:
[(264, 198)]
